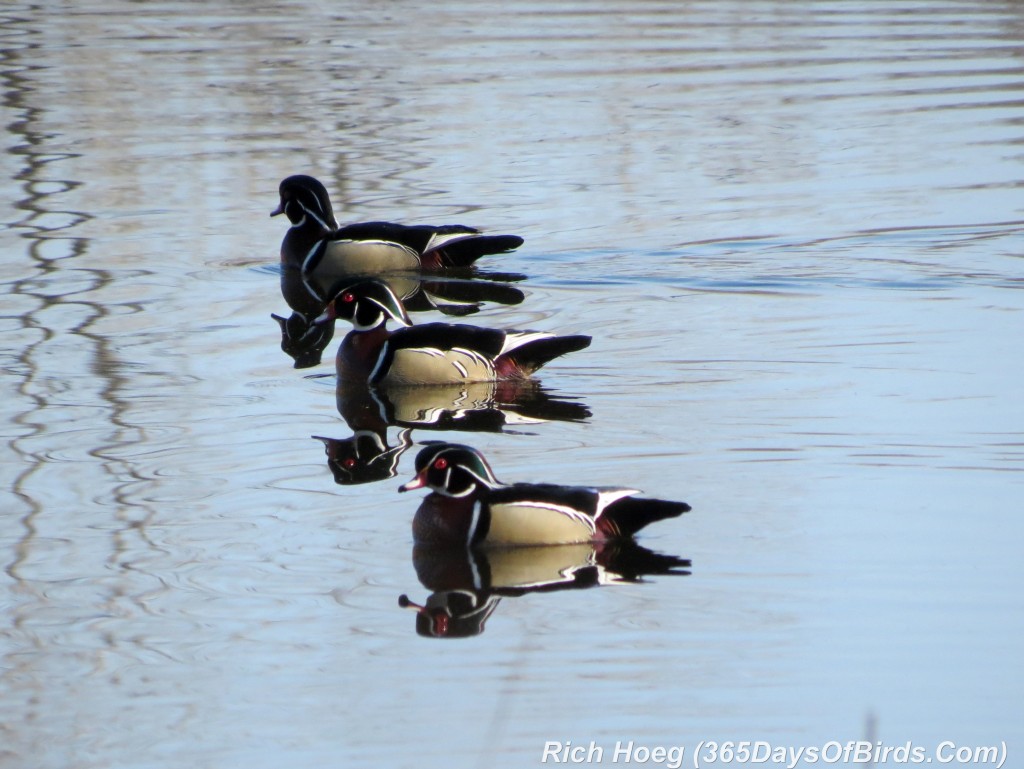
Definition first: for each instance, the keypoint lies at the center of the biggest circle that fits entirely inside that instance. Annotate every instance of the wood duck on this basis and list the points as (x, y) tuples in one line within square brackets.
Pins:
[(468, 506), (431, 353), (316, 243)]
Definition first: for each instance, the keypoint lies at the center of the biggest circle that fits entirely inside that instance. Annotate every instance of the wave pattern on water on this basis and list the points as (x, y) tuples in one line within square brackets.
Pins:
[(790, 227)]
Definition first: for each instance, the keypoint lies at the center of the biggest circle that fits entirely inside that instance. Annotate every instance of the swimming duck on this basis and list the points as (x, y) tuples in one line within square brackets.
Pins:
[(431, 353), (468, 506), (317, 244)]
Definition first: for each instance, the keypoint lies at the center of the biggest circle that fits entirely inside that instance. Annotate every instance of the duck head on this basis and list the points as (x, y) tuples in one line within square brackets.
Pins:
[(303, 196), (366, 304), (452, 470)]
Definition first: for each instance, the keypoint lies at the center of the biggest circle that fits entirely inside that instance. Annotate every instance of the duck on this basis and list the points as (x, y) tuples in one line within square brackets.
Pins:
[(469, 507), (315, 243), (431, 353)]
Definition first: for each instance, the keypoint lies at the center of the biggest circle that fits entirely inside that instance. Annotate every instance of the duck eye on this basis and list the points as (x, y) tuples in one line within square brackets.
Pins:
[(348, 463), (440, 464), (348, 297)]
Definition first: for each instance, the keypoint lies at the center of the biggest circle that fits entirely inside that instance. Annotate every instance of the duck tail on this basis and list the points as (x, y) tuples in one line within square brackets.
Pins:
[(625, 517), (464, 251), (530, 356)]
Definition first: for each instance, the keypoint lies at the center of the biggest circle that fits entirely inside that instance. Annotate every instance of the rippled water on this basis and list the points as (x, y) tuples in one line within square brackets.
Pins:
[(795, 232)]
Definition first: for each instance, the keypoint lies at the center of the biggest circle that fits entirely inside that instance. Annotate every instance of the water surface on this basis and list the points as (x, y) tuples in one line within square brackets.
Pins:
[(795, 232)]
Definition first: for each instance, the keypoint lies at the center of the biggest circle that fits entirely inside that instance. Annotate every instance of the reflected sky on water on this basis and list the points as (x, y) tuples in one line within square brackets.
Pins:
[(794, 231)]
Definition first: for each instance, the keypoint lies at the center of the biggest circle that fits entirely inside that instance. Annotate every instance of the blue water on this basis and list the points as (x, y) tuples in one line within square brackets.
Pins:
[(795, 233)]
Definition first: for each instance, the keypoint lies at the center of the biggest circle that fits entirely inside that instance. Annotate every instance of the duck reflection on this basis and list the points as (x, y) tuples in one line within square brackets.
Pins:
[(371, 454), (467, 406), (302, 340), (365, 457), (468, 585), (307, 296)]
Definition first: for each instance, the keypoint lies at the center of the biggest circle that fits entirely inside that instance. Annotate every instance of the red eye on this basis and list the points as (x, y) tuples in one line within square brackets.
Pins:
[(349, 463), (440, 464), (347, 297)]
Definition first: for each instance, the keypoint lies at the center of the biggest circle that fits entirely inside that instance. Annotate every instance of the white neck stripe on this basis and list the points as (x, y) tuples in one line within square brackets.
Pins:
[(474, 522), (313, 214)]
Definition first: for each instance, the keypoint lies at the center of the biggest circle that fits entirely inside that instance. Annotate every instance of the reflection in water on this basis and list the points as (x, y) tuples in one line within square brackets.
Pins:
[(302, 340), (53, 320), (72, 516), (369, 455), (365, 457), (467, 584), (469, 406), (768, 177), (307, 296)]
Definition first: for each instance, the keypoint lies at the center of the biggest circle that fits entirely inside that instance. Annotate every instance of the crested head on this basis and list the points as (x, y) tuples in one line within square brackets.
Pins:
[(367, 304), (451, 469), (304, 197)]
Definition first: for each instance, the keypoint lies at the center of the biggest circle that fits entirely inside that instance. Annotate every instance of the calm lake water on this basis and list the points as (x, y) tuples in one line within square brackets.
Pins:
[(795, 231)]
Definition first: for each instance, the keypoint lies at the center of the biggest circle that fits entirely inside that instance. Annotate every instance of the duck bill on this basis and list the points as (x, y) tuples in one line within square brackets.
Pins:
[(278, 211), (416, 483)]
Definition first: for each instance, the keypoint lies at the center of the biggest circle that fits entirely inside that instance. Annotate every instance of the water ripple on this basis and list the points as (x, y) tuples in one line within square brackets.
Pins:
[(789, 226)]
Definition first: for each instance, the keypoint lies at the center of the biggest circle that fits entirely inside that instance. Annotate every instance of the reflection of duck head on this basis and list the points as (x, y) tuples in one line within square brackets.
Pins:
[(451, 614), (467, 584), (303, 340), (365, 457), (468, 406)]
